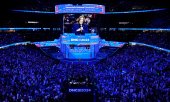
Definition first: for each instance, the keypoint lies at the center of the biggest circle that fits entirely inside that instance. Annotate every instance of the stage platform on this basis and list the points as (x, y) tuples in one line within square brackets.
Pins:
[(76, 48)]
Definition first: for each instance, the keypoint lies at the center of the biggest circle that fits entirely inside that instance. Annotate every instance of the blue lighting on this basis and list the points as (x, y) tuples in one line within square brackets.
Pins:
[(124, 12), (137, 11), (141, 29), (130, 43), (152, 46), (31, 11), (23, 28)]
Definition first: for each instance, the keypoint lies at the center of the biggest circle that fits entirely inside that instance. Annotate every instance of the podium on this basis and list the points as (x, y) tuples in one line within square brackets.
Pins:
[(79, 46)]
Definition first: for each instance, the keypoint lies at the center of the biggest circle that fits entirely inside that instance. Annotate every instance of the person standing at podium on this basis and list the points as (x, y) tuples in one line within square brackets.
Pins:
[(80, 27)]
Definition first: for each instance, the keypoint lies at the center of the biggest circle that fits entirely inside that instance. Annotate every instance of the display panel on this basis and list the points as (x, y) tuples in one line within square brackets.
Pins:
[(79, 23), (84, 8)]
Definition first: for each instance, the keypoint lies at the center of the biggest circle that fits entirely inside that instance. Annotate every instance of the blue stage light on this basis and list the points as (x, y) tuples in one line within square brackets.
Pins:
[(22, 28), (124, 12), (136, 11), (141, 29), (31, 11)]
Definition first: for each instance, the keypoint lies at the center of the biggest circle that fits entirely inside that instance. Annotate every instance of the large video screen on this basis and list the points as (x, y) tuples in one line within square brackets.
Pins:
[(79, 23)]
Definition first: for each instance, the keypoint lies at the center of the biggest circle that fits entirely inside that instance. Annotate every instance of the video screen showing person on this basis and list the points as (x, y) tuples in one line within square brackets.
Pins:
[(80, 23)]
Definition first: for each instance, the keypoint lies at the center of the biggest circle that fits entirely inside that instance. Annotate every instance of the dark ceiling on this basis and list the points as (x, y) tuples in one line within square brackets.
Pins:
[(7, 15), (115, 5)]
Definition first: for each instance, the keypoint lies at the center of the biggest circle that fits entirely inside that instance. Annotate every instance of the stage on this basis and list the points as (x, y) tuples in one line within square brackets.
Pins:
[(71, 47)]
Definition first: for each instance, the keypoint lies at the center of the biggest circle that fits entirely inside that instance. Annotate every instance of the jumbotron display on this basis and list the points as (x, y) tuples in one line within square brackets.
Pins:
[(80, 39)]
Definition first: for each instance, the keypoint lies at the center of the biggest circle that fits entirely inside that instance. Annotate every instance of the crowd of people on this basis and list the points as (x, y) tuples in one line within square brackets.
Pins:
[(160, 39), (9, 38), (134, 73), (26, 74)]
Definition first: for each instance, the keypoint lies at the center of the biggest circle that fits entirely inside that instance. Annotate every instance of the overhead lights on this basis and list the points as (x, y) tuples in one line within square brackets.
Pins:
[(32, 22)]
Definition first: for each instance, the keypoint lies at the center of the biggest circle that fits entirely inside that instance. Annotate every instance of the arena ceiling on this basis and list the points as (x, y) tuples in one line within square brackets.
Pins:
[(114, 5), (7, 7)]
